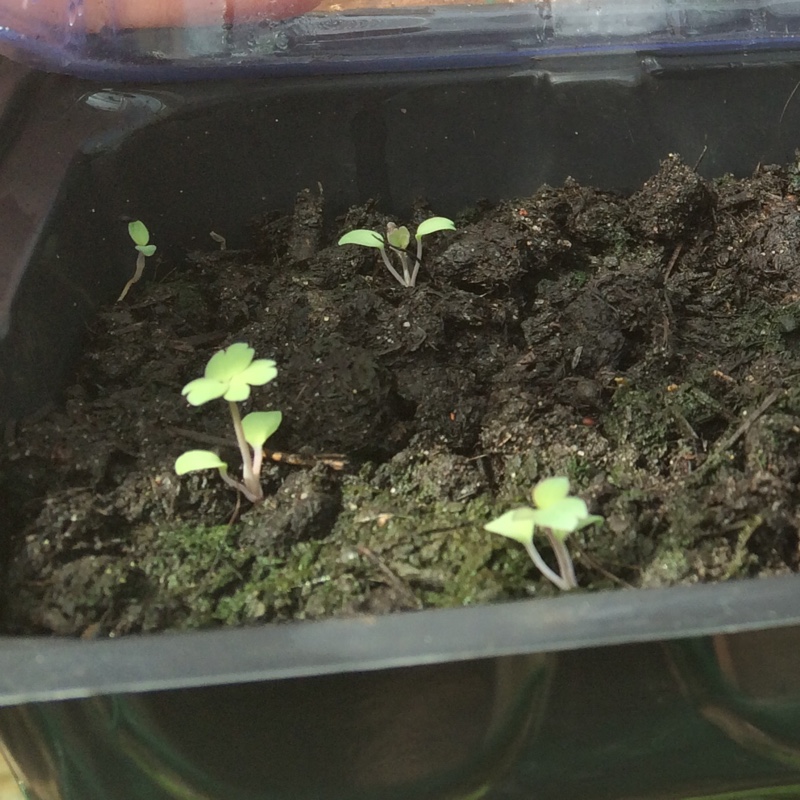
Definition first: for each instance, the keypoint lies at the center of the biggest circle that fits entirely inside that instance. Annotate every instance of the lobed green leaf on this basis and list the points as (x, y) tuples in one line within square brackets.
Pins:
[(230, 373), (237, 390), (231, 361), (261, 371), (201, 390)]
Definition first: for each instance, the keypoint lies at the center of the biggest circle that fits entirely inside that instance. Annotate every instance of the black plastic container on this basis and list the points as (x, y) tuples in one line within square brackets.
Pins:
[(630, 694)]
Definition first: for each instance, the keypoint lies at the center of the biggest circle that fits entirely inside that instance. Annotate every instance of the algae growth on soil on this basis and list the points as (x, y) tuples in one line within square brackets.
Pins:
[(647, 347)]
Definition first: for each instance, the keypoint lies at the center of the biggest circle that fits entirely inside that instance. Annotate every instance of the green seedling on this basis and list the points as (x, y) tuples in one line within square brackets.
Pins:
[(141, 240), (398, 240), (229, 374), (559, 515)]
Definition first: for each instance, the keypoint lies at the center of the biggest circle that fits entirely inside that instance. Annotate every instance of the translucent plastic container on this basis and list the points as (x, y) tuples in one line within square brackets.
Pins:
[(179, 39), (647, 694)]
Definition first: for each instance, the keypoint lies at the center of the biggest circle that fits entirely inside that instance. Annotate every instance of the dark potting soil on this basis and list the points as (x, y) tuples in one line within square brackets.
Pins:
[(646, 347)]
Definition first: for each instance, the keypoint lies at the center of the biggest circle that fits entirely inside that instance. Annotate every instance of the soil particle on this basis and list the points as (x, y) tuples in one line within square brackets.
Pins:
[(304, 507), (673, 204)]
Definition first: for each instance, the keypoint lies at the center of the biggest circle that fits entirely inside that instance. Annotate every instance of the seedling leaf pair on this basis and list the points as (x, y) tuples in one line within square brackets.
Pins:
[(257, 426), (398, 241), (138, 232)]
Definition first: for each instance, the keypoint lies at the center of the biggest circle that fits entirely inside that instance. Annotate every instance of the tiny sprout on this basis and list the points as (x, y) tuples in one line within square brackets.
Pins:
[(138, 232), (556, 512), (229, 374), (399, 241)]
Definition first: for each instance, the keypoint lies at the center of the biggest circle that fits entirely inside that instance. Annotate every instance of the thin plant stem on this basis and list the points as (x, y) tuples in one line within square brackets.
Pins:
[(565, 565), (251, 481), (406, 268), (258, 456), (414, 273), (140, 259), (417, 262), (541, 565), (397, 276), (240, 487)]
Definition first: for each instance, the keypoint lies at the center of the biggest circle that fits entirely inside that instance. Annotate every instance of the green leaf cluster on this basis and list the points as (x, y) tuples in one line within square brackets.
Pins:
[(559, 515), (137, 230), (398, 240), (258, 426), (553, 509), (229, 374)]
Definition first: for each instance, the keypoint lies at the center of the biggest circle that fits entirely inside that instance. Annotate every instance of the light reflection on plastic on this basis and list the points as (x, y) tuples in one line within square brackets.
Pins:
[(109, 100), (74, 12)]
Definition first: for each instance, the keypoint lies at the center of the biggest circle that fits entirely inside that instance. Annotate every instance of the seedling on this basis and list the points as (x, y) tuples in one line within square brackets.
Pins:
[(398, 240), (229, 374), (556, 512), (141, 240)]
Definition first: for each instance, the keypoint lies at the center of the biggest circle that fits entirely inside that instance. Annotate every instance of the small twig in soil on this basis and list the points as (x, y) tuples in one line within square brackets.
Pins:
[(190, 343), (393, 579), (746, 530), (202, 438), (333, 460), (684, 424), (720, 375), (594, 565), (235, 514), (788, 100), (673, 260), (741, 431), (700, 157), (751, 418), (667, 317), (10, 431), (446, 528)]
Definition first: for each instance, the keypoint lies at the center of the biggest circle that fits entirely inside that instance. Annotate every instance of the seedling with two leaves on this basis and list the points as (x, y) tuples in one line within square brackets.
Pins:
[(229, 374), (559, 515), (138, 232), (398, 241)]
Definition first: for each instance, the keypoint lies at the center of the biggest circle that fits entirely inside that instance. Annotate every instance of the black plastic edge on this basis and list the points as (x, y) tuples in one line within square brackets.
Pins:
[(33, 670)]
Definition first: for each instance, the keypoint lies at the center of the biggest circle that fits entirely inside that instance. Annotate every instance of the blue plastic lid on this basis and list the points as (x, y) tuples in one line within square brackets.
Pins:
[(159, 41)]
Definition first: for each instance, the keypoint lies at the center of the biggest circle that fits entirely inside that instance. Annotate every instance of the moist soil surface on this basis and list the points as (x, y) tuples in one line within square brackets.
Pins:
[(646, 347)]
